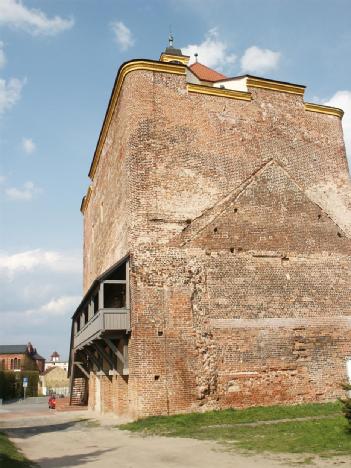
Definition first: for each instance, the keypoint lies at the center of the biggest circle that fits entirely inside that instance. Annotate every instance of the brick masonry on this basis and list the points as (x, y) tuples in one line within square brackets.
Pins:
[(236, 215)]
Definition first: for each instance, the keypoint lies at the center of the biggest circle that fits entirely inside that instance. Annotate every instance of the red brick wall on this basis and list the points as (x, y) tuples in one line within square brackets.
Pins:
[(237, 218), (7, 358)]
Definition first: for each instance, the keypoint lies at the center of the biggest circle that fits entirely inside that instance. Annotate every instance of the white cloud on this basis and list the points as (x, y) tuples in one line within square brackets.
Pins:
[(32, 260), (37, 286), (2, 55), (10, 92), (13, 13), (56, 307), (256, 60), (342, 99), (123, 35), (28, 145), (212, 51), (25, 193)]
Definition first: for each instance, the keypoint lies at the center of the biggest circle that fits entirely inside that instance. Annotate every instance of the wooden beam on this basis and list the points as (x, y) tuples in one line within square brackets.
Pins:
[(93, 358), (71, 376), (105, 355), (125, 353), (80, 366), (101, 296), (127, 286), (115, 350)]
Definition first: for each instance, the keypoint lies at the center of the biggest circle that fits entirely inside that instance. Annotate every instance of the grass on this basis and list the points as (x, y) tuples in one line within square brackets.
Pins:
[(10, 456), (246, 429)]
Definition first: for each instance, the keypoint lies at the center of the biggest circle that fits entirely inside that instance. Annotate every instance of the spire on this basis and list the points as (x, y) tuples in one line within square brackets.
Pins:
[(172, 54)]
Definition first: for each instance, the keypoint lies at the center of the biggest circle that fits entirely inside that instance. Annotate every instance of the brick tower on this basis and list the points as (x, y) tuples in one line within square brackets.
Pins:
[(216, 245)]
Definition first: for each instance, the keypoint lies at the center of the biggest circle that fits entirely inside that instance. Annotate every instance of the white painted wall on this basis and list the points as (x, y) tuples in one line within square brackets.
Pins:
[(237, 84)]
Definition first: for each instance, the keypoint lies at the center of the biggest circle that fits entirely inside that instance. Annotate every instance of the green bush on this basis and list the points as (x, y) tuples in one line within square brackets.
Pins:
[(11, 384), (346, 409)]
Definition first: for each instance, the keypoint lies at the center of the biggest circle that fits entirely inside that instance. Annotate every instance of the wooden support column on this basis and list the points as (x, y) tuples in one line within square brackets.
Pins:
[(114, 349), (125, 355), (101, 296), (93, 358), (90, 309), (80, 366), (105, 355), (123, 358), (127, 286), (71, 376)]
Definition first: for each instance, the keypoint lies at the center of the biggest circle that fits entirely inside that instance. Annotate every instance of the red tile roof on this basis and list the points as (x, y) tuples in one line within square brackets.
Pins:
[(204, 73)]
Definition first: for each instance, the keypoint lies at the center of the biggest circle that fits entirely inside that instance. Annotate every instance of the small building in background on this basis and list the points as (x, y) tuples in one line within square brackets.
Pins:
[(55, 361), (20, 358)]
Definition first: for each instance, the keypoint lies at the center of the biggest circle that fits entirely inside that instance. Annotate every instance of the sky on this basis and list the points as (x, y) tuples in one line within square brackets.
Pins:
[(58, 62)]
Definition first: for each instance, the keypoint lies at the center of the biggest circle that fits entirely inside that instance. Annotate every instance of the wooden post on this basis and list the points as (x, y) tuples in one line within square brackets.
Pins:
[(115, 350), (80, 366), (105, 355), (101, 296), (127, 286), (125, 355), (93, 358), (72, 377)]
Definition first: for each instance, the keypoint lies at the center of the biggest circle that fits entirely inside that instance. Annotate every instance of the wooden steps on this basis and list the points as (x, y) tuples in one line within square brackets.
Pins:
[(79, 392)]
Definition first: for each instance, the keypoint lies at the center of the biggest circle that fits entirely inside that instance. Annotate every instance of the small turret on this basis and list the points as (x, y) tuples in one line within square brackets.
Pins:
[(55, 357), (173, 55)]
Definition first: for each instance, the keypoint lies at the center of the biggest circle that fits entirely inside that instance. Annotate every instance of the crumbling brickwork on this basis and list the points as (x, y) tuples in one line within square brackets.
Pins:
[(236, 216)]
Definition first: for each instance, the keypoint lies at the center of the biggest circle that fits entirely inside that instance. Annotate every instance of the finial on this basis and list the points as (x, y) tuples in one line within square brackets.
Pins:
[(196, 56), (170, 39)]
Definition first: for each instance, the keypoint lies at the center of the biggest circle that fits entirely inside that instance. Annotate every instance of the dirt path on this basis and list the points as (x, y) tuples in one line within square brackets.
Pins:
[(65, 440)]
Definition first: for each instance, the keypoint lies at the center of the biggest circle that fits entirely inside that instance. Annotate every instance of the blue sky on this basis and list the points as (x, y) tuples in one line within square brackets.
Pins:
[(58, 61)]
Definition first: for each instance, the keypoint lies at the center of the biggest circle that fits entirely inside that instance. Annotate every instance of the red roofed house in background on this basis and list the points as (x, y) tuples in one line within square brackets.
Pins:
[(20, 357)]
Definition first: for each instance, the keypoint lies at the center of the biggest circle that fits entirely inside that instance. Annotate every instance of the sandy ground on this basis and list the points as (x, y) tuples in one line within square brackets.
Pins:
[(58, 440)]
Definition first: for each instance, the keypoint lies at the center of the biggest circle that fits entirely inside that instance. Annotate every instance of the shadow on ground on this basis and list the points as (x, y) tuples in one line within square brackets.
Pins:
[(29, 431), (71, 460)]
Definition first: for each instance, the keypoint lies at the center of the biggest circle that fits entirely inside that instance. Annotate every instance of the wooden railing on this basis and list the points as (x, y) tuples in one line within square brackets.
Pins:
[(103, 320)]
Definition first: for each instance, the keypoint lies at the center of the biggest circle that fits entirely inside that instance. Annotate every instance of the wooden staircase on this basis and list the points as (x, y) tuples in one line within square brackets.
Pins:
[(79, 395)]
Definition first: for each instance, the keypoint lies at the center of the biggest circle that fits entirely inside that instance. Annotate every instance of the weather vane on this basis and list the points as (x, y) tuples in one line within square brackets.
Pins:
[(170, 37)]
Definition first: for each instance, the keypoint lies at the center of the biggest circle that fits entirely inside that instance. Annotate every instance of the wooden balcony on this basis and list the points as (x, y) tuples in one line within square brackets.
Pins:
[(105, 320)]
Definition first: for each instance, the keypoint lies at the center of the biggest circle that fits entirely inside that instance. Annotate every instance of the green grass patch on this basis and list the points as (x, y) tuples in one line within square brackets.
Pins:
[(10, 456), (267, 432), (325, 437)]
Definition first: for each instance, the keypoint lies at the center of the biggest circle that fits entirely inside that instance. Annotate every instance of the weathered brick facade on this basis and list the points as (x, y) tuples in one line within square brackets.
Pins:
[(236, 217)]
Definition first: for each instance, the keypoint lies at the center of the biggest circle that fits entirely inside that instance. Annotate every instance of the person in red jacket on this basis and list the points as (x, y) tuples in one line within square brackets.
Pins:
[(52, 402)]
